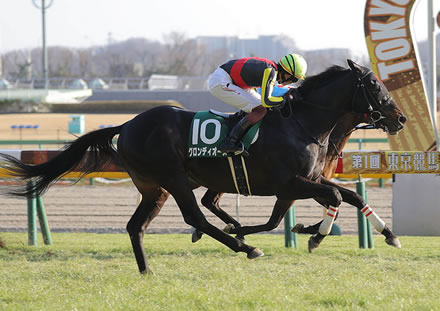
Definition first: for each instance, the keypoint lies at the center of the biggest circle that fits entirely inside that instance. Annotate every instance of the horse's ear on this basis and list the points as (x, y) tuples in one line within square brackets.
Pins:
[(353, 66)]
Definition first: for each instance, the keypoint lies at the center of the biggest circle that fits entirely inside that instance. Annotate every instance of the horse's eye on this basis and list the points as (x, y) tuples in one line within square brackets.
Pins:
[(376, 85)]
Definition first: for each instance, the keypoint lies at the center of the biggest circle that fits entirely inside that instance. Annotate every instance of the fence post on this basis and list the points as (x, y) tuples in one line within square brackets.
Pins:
[(35, 207), (43, 221), (381, 182), (32, 217), (364, 226), (290, 238), (369, 230), (237, 207)]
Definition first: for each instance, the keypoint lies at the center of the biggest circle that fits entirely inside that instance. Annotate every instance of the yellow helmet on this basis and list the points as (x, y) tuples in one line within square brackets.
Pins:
[(295, 65)]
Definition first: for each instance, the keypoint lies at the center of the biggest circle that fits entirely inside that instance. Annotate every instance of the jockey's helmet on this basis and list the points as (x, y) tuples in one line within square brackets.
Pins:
[(295, 65)]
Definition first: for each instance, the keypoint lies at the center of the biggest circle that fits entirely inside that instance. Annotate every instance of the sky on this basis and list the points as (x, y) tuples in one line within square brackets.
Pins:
[(313, 24)]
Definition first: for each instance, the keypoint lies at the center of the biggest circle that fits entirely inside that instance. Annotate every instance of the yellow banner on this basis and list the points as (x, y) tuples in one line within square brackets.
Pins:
[(394, 61), (391, 162)]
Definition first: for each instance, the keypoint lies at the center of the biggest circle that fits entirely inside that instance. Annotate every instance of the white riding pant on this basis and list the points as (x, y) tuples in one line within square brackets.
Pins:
[(221, 86)]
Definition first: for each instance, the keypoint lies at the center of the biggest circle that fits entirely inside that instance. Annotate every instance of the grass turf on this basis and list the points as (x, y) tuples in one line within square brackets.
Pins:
[(83, 271)]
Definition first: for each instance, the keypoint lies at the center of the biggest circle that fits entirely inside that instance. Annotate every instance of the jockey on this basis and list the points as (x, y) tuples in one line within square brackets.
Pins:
[(233, 83)]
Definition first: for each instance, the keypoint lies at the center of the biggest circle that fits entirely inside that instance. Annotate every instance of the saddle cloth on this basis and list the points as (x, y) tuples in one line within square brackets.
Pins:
[(209, 129)]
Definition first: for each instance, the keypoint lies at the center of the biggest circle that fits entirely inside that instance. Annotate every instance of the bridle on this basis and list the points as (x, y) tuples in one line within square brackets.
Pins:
[(374, 106)]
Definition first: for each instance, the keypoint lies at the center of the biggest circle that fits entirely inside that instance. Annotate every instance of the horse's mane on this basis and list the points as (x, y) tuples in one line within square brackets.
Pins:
[(313, 82)]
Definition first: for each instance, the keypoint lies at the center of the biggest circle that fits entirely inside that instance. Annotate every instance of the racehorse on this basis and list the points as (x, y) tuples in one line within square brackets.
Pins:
[(338, 139), (286, 160)]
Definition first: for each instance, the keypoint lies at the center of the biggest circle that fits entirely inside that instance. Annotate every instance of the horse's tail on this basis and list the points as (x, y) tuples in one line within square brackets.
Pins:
[(101, 150)]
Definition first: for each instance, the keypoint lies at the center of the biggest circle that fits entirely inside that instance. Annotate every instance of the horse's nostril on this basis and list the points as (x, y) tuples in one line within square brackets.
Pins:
[(402, 119)]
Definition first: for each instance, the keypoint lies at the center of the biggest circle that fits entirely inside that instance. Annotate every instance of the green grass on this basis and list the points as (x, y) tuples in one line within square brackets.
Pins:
[(98, 272)]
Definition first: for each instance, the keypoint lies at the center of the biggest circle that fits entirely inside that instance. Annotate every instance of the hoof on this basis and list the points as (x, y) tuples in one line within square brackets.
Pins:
[(298, 228), (393, 241), (196, 235), (313, 244), (255, 253), (229, 228)]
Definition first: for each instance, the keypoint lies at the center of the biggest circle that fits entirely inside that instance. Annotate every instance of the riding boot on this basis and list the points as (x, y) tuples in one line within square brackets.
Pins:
[(232, 143)]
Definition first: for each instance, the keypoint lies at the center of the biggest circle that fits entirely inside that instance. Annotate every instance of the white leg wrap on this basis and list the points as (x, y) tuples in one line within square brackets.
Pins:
[(327, 223), (377, 223)]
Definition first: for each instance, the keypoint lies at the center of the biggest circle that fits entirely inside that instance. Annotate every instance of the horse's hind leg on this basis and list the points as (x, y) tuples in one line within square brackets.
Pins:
[(279, 211), (153, 198), (180, 189), (298, 188), (210, 200)]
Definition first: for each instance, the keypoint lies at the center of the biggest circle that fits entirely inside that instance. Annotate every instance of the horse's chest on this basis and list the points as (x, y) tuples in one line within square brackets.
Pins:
[(313, 162)]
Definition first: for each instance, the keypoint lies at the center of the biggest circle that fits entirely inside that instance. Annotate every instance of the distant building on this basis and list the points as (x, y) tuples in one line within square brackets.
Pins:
[(271, 47), (127, 70), (274, 47)]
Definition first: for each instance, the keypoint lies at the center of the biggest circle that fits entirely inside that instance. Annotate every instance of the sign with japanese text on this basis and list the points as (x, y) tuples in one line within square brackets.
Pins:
[(390, 162)]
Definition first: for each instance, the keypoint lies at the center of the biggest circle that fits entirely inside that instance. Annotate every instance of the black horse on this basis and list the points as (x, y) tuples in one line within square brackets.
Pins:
[(286, 160), (338, 139)]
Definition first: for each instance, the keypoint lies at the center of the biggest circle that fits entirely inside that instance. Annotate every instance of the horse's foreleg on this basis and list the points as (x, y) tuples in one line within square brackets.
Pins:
[(356, 200), (150, 205), (324, 228), (311, 229), (328, 195), (380, 226)]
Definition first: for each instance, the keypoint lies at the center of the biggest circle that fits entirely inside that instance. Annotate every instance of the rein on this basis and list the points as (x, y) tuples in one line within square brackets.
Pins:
[(334, 140)]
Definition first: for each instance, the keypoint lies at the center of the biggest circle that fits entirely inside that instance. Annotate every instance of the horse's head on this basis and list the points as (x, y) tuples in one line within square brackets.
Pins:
[(372, 97)]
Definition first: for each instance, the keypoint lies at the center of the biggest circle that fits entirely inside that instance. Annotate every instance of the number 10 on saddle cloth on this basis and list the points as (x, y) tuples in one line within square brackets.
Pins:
[(208, 130)]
